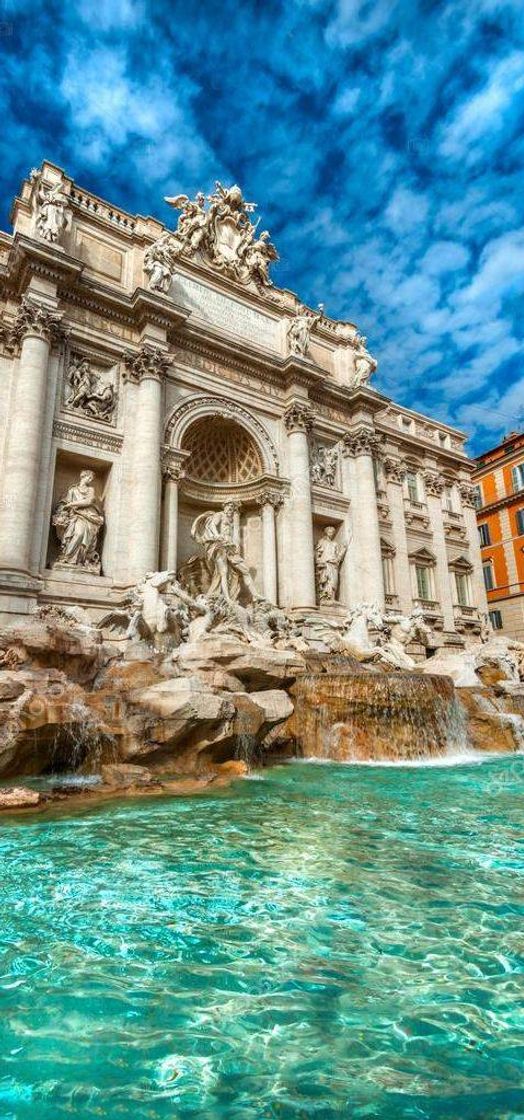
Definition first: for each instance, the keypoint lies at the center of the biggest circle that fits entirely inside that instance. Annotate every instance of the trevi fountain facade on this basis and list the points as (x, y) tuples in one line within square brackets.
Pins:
[(199, 476)]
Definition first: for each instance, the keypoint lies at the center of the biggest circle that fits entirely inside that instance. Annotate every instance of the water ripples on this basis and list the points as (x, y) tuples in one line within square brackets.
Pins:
[(330, 941)]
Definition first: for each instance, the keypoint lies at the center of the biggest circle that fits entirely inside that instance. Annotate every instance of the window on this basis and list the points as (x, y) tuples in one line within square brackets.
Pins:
[(518, 477), (477, 496), (489, 581), (412, 485), (388, 574), (462, 585), (495, 618), (520, 522), (484, 534), (423, 576)]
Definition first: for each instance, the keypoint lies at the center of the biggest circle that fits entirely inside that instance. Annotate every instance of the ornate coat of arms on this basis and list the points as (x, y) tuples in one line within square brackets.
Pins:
[(218, 226)]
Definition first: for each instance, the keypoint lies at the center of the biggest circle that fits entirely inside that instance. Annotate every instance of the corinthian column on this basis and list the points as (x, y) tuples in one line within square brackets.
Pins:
[(358, 449), (35, 326), (434, 485), (269, 502), (297, 419), (467, 497), (173, 472), (145, 373)]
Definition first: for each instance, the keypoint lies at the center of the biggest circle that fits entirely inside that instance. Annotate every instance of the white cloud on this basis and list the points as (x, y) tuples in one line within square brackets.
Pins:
[(485, 112)]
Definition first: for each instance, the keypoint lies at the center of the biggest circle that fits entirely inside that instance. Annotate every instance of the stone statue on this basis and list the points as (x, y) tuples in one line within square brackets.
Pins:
[(78, 520), (328, 558), (365, 365), (324, 461), (158, 610), (364, 623), (258, 256), (224, 233), (299, 331), (158, 263), (88, 393), (227, 568), (52, 209)]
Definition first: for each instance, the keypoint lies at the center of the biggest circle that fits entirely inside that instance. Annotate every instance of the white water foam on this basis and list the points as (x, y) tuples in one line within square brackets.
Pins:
[(457, 758)]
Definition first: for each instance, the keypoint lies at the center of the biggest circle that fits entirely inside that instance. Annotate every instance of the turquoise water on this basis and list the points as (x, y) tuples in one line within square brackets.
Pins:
[(327, 941)]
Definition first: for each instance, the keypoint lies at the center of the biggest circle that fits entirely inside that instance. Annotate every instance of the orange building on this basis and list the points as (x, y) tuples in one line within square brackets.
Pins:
[(499, 480)]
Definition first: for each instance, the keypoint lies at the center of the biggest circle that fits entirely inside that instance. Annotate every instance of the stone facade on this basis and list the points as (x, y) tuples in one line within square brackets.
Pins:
[(151, 374)]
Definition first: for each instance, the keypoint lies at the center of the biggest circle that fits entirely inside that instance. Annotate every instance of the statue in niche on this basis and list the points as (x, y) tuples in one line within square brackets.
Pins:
[(328, 558), (299, 331), (324, 461), (227, 569), (78, 521), (158, 263), (52, 208), (88, 393), (365, 364)]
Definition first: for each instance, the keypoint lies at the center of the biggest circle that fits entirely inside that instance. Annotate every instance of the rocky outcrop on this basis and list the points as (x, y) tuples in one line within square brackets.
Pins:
[(148, 721), (18, 797), (103, 713)]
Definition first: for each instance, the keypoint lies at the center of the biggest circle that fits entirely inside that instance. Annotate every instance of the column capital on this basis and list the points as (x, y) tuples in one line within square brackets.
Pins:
[(274, 498), (298, 417), (35, 320), (360, 441), (434, 483), (394, 469), (467, 494), (146, 364), (173, 470)]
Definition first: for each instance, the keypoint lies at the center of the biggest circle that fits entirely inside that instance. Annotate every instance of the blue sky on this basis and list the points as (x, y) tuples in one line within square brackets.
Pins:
[(383, 142)]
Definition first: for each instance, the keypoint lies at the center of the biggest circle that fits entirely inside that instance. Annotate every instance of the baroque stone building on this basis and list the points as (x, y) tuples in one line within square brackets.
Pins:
[(149, 375)]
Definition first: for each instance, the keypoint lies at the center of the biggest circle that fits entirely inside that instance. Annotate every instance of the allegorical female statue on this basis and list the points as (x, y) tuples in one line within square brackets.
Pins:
[(328, 558), (78, 520)]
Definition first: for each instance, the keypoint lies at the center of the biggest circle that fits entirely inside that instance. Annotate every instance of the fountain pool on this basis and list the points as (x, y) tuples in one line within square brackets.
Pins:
[(325, 941)]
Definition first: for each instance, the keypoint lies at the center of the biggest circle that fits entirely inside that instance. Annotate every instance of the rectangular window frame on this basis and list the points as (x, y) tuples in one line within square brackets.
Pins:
[(489, 580), (484, 534)]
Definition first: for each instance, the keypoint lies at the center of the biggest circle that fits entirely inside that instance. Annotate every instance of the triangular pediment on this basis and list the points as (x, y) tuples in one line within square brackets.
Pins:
[(461, 564), (423, 556)]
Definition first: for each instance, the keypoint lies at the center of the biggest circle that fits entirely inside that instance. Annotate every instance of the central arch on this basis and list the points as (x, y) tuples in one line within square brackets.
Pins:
[(196, 408), (221, 452)]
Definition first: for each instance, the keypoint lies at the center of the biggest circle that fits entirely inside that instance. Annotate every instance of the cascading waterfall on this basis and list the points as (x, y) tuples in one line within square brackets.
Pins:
[(347, 716)]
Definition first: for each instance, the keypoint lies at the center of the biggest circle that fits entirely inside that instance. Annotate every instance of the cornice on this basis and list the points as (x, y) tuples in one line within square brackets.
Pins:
[(29, 258), (75, 433), (266, 488)]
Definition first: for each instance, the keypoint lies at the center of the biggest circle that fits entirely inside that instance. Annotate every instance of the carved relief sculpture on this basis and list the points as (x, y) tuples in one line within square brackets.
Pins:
[(324, 462), (328, 558), (365, 364), (299, 331), (78, 520), (227, 569), (89, 394), (52, 208)]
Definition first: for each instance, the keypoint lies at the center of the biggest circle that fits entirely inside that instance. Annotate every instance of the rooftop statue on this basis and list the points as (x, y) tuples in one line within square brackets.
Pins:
[(52, 208), (365, 364), (299, 330), (219, 226)]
